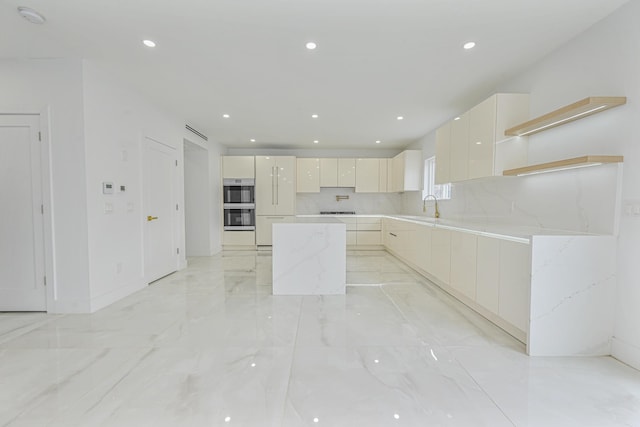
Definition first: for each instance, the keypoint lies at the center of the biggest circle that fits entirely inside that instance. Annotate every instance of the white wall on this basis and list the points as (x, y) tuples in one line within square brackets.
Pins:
[(197, 199), (31, 86), (603, 61), (116, 121), (216, 151)]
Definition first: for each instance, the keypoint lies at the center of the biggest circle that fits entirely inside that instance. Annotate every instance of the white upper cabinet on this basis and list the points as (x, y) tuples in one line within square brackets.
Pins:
[(468, 148), (337, 172), (482, 130), (443, 154), (275, 185), (406, 168), (368, 175), (383, 175), (308, 175), (346, 172), (238, 167), (328, 172), (459, 160)]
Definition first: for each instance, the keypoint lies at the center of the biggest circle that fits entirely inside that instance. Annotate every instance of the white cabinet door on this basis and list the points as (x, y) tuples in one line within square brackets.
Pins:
[(264, 229), (238, 167), (328, 172), (488, 273), (515, 282), (308, 175), (368, 175), (423, 247), (265, 185), (286, 185), (368, 238), (482, 128), (463, 263), (441, 254), (397, 170), (443, 154), (383, 171), (389, 175), (459, 170), (346, 172), (406, 168), (275, 185)]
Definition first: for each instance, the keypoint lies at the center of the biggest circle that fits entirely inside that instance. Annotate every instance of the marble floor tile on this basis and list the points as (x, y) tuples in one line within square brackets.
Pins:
[(210, 346)]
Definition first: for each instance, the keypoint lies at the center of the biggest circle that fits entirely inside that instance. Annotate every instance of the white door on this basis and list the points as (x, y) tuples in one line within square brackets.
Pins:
[(159, 209), (21, 223)]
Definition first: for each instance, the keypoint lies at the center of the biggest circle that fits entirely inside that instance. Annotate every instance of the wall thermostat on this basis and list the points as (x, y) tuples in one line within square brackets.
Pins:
[(107, 188)]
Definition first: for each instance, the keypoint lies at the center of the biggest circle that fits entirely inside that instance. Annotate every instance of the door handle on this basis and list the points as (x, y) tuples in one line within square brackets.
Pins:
[(151, 218)]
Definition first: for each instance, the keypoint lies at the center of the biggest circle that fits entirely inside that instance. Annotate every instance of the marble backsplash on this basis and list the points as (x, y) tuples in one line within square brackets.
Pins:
[(585, 200), (360, 203)]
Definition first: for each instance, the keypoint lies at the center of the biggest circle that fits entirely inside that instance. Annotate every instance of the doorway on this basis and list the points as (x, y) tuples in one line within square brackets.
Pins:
[(159, 209), (22, 267)]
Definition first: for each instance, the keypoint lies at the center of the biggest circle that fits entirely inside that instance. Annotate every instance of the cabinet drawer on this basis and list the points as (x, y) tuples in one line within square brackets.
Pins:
[(369, 237), (369, 224), (351, 223), (239, 238)]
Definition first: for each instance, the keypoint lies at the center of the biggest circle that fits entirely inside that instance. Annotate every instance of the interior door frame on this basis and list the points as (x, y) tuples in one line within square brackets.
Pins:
[(47, 194), (174, 218)]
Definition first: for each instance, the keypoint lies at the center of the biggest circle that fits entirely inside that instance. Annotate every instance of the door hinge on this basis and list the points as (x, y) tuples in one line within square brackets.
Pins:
[(178, 250), (176, 163), (42, 209), (40, 136), (45, 280), (176, 206)]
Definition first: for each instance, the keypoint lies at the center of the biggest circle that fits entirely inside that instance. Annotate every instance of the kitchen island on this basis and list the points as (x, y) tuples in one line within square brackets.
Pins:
[(309, 257)]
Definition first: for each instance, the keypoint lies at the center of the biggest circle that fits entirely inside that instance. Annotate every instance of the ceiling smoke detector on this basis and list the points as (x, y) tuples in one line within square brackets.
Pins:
[(31, 15)]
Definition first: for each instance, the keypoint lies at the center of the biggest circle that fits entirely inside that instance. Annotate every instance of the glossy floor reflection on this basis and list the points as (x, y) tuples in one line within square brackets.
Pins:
[(210, 346)]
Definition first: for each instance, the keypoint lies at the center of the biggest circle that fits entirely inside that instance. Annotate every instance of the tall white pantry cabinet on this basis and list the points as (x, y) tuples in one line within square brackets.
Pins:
[(275, 194)]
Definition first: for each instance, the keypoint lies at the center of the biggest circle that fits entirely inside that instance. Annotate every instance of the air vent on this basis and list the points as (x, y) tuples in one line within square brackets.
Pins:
[(200, 134)]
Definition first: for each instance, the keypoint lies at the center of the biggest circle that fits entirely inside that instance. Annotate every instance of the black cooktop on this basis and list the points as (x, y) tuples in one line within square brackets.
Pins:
[(337, 213)]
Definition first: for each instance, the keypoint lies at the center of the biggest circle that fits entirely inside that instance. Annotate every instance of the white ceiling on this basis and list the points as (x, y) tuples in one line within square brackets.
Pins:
[(376, 59)]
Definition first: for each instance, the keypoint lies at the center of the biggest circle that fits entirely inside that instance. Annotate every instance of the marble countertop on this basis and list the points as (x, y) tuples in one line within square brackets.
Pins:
[(515, 233)]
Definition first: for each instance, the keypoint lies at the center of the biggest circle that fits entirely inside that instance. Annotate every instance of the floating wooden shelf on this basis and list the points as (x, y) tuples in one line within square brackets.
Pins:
[(569, 113), (578, 162)]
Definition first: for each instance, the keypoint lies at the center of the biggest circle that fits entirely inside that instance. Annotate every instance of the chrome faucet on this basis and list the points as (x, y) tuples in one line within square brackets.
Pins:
[(424, 205)]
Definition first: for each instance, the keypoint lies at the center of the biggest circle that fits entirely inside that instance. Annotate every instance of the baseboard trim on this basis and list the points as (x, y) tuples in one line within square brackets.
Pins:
[(626, 353), (108, 298)]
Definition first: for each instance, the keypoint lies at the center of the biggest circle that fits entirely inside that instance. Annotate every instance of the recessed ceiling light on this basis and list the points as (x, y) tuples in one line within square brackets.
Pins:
[(457, 118), (314, 116), (479, 143), (31, 15), (469, 45), (378, 142), (315, 141), (311, 45), (149, 43), (226, 116), (400, 118), (252, 140)]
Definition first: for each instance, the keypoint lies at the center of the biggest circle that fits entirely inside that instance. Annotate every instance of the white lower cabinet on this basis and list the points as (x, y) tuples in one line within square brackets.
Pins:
[(463, 263), (491, 273), (515, 283), (264, 229), (441, 254), (239, 238), (368, 238), (488, 274)]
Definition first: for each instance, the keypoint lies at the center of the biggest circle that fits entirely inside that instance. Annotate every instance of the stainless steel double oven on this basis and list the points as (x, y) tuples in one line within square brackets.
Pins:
[(239, 204)]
